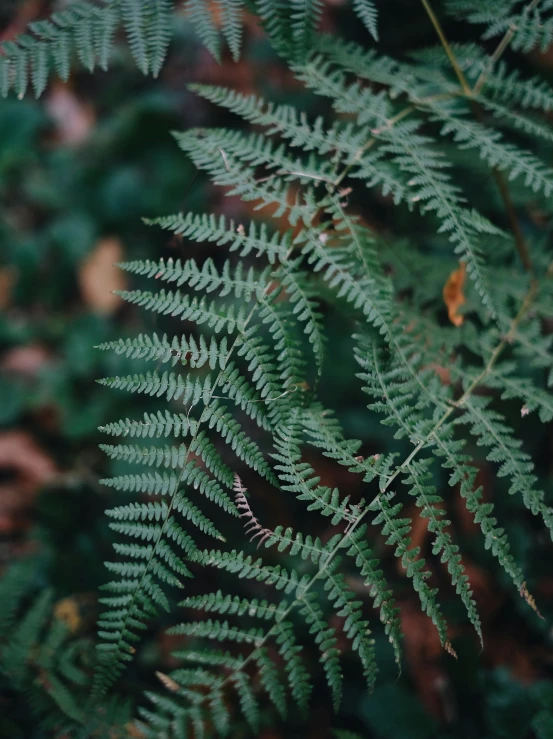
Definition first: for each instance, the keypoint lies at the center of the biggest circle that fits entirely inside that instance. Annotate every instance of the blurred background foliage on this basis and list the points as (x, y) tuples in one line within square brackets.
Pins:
[(78, 170)]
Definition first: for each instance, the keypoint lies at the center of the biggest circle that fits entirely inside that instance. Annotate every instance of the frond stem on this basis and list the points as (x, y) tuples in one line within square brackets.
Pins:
[(388, 125), (497, 175), (500, 50), (447, 48), (372, 141), (518, 236)]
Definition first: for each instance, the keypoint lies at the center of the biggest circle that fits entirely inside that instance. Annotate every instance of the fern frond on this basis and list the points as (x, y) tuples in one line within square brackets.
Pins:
[(397, 530), (298, 477), (325, 432), (247, 699), (158, 33), (464, 474), (25, 636), (536, 348), (245, 396), (189, 309), (166, 456), (415, 81), (532, 29), (154, 424), (298, 677), (378, 589), (339, 267), (169, 384), (279, 320), (521, 388), (304, 18), (355, 627), (341, 140), (496, 152), (255, 346), (233, 605), (528, 123), (270, 680), (222, 232), (206, 278), (303, 298), (230, 170), (506, 85), (87, 31), (431, 508), (177, 351), (368, 12), (134, 16), (231, 12), (491, 430), (202, 20), (219, 631), (297, 543), (243, 446), (261, 363), (428, 185), (42, 661), (325, 637)]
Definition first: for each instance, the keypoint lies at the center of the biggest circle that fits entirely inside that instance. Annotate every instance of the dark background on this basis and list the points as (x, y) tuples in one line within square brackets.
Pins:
[(78, 170)]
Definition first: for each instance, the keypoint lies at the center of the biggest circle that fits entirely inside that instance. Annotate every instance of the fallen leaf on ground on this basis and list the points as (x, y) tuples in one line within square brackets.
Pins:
[(73, 119), (25, 467), (99, 277), (7, 281), (26, 360)]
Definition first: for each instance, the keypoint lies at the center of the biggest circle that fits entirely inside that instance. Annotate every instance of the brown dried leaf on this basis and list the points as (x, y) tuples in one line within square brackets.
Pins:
[(26, 360), (453, 294), (99, 277), (169, 683), (133, 731), (529, 598), (19, 452), (7, 280), (443, 373), (74, 120), (67, 610), (26, 468)]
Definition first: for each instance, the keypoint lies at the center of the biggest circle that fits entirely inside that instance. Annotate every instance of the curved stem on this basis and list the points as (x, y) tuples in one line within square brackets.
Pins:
[(447, 48), (500, 49)]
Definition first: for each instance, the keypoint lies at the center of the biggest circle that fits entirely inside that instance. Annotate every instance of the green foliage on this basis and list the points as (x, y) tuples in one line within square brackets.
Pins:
[(44, 664), (87, 30), (244, 378)]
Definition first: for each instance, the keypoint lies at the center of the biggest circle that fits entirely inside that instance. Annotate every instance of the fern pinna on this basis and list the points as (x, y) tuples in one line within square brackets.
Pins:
[(237, 384)]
